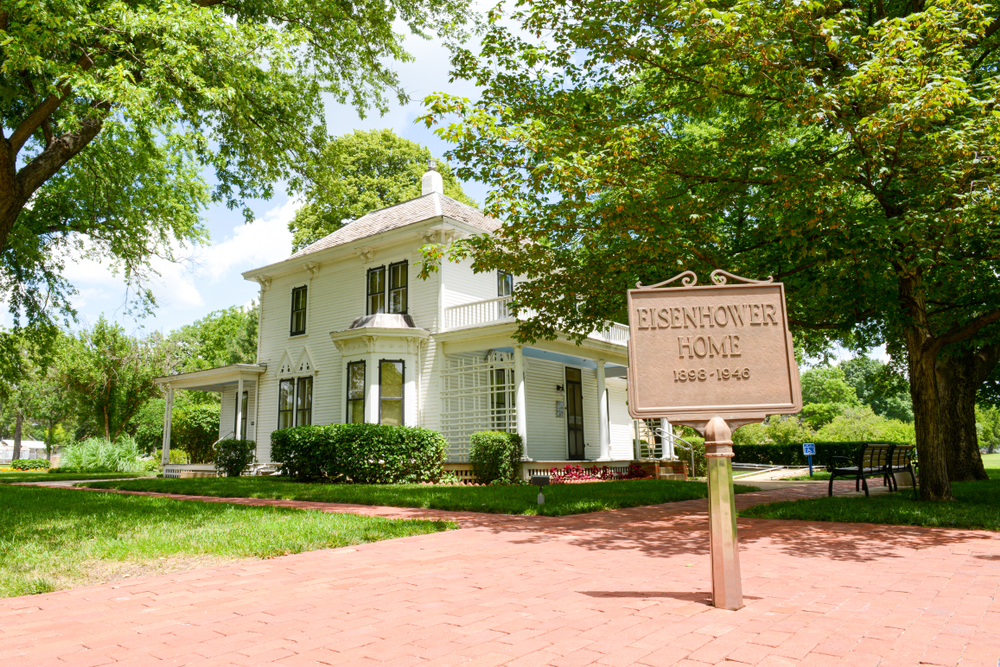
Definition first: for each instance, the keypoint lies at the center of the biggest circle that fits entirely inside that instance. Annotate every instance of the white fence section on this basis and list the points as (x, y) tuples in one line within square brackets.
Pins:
[(495, 311), (476, 395), (615, 333), (477, 313)]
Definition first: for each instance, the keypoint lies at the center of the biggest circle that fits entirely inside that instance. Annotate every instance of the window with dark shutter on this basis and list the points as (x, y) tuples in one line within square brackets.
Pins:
[(298, 311)]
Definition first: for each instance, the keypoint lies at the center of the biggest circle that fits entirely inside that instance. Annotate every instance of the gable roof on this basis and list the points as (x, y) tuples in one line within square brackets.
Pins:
[(406, 213)]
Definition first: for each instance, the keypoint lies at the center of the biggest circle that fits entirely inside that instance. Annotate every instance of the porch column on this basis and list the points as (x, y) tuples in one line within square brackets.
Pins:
[(602, 413), (372, 377), (667, 451), (239, 410), (520, 407), (168, 414)]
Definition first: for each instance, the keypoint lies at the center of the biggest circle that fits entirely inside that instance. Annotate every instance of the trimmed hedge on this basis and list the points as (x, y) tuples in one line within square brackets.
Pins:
[(360, 453), (791, 455), (496, 457), (233, 456), (30, 464)]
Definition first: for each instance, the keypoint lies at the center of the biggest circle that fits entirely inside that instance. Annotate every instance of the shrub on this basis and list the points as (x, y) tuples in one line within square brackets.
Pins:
[(233, 456), (360, 453), (496, 457), (791, 455), (99, 454), (194, 428), (30, 464)]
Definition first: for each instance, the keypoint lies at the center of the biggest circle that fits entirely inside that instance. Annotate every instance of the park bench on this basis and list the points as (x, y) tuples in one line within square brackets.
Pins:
[(901, 461), (872, 461)]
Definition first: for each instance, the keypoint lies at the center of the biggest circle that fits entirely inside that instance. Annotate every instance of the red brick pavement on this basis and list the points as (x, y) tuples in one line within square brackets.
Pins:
[(628, 587)]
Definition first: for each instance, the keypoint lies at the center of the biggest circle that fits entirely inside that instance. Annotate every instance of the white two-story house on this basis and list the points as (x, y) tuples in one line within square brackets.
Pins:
[(349, 333)]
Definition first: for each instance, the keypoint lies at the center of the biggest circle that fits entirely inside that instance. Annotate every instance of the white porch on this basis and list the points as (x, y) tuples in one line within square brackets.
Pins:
[(239, 380), (566, 401)]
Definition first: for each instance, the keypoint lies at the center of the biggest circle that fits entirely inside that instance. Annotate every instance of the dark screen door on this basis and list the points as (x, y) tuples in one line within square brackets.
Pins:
[(574, 414)]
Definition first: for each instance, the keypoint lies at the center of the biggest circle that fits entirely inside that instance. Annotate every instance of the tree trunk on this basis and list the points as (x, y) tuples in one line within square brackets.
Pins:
[(959, 378), (922, 354), (17, 435), (48, 440)]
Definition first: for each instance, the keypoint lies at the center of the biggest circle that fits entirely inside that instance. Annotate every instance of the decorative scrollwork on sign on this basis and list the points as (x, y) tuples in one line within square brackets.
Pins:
[(719, 277), (687, 278)]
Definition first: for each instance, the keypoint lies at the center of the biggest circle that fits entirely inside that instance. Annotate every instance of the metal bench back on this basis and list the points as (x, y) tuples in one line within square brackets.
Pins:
[(874, 457), (902, 455)]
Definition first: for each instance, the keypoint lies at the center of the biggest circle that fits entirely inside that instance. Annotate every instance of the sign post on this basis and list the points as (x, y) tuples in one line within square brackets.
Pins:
[(809, 451), (714, 357)]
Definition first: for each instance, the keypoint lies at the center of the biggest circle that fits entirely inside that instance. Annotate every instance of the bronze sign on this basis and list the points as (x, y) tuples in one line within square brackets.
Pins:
[(703, 351)]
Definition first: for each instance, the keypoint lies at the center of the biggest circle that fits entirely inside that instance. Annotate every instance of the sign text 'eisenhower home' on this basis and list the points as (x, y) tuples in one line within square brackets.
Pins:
[(719, 344)]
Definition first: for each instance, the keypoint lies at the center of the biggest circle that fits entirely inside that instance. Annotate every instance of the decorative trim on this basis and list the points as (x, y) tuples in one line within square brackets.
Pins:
[(265, 282), (365, 253), (687, 278), (718, 277), (311, 267)]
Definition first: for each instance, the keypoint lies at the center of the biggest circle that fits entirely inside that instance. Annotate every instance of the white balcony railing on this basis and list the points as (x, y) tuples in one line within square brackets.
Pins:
[(477, 313), (496, 311)]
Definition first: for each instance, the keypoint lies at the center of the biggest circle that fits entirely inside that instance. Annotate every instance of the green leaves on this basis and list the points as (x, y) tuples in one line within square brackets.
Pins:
[(362, 172)]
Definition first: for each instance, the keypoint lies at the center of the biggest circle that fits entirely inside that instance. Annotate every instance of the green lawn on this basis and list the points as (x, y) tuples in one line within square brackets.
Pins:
[(36, 476), (60, 538), (560, 499), (977, 505)]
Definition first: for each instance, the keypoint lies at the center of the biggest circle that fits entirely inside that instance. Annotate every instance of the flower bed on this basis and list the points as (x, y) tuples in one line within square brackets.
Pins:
[(577, 473)]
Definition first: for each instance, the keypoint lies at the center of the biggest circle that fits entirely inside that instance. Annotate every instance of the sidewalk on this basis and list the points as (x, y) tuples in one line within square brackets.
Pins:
[(611, 588)]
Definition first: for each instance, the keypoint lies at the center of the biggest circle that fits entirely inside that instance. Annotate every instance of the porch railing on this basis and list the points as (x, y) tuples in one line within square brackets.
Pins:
[(496, 311)]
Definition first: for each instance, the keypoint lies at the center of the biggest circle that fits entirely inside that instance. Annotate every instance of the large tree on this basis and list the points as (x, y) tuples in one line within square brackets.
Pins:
[(358, 173), (112, 112), (849, 149), (109, 375)]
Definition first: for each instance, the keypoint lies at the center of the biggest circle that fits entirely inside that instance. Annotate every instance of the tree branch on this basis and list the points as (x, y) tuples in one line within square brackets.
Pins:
[(960, 333), (43, 111), (34, 174)]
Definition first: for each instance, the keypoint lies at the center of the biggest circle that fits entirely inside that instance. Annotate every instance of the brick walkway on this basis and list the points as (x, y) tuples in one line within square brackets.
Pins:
[(611, 588)]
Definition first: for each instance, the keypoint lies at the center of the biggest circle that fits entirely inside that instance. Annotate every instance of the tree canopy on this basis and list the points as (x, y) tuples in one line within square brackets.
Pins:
[(362, 172), (849, 149), (112, 114)]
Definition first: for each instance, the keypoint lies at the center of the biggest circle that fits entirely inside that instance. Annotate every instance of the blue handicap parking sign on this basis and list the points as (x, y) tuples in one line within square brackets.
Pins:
[(808, 449)]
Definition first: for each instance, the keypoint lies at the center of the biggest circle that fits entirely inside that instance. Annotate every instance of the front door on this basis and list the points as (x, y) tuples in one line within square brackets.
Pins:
[(574, 414)]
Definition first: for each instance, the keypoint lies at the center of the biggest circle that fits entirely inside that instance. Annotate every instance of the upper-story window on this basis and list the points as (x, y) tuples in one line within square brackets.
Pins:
[(388, 296), (376, 290), (397, 287), (298, 326), (505, 284)]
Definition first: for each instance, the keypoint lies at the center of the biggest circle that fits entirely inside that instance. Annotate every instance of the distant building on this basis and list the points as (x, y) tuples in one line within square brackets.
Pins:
[(30, 449)]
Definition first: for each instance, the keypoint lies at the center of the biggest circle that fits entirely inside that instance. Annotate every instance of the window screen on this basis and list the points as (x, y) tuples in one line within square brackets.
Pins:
[(376, 290), (391, 392), (397, 287), (356, 392), (304, 402), (286, 403), (298, 311)]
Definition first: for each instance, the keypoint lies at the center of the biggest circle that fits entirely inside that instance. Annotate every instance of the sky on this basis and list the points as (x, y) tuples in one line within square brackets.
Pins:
[(208, 277)]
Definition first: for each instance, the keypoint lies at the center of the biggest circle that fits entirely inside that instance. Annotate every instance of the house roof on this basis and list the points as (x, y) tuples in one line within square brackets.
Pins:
[(406, 213)]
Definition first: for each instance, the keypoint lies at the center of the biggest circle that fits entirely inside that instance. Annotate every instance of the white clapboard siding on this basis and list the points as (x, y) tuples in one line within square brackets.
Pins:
[(591, 420), (622, 438), (461, 285), (546, 431)]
